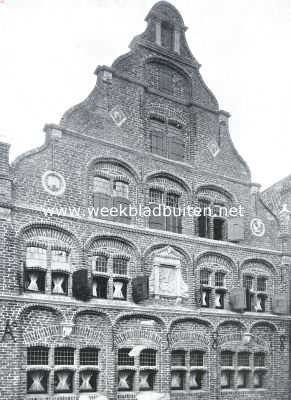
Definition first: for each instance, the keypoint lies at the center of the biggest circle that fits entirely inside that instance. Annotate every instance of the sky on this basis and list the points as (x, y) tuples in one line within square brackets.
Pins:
[(49, 50)]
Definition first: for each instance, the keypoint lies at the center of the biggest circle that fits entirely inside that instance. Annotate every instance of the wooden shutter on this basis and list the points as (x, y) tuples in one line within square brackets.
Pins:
[(102, 200), (235, 229), (123, 203), (81, 287), (176, 148), (237, 299), (140, 288), (280, 304), (156, 222)]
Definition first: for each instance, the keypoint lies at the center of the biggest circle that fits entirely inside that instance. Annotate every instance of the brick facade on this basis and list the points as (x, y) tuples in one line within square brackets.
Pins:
[(113, 136)]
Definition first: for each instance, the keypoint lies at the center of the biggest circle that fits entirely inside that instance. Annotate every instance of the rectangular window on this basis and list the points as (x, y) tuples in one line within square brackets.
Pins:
[(197, 358), (34, 280), (120, 266), (219, 279), (124, 358), (102, 185), (248, 282), (89, 356), (242, 379), (59, 257), (36, 257), (178, 358), (166, 81), (259, 359), (206, 298), (243, 359), (64, 356), (219, 298), (218, 229), (148, 358), (120, 289), (37, 382), (37, 355), (155, 196), (125, 380), (63, 381), (261, 303), (261, 284), (196, 379), (158, 143), (178, 380), (146, 380), (60, 283), (172, 200), (226, 358), (101, 263), (100, 287), (226, 380), (88, 381), (121, 189), (204, 277), (259, 377)]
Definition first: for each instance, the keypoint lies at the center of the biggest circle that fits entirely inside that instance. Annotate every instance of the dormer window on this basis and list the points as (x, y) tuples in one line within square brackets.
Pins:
[(167, 35)]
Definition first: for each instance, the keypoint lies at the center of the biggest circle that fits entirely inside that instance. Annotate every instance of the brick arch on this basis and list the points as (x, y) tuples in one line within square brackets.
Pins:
[(158, 246), (139, 335), (115, 241), (168, 112), (215, 258), (200, 321), (26, 309), (47, 229), (115, 161), (216, 188), (82, 312), (235, 322), (167, 175), (124, 316), (260, 262), (264, 324)]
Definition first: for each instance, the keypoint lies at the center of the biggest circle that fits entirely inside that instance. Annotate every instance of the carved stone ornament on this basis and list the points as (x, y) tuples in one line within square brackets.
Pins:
[(257, 227), (166, 278), (118, 116), (53, 183), (214, 148)]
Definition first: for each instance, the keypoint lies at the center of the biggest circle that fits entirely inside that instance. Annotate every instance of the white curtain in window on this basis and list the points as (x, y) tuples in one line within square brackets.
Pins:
[(36, 385)]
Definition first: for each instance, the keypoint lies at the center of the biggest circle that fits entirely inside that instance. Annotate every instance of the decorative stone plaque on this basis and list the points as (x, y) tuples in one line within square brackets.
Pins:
[(214, 148), (118, 116), (54, 183), (257, 227)]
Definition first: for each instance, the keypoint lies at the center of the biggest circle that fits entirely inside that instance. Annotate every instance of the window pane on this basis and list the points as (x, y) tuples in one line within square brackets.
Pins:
[(64, 356), (120, 266), (172, 200), (37, 356), (204, 277), (36, 256), (123, 357), (89, 356), (34, 280), (226, 358), (261, 284), (120, 189), (243, 359), (178, 358), (88, 381), (178, 380), (63, 381), (218, 229), (60, 283), (248, 282), (148, 358), (259, 359), (146, 380), (37, 382), (101, 263), (125, 380), (156, 196), (101, 185), (196, 358), (219, 279)]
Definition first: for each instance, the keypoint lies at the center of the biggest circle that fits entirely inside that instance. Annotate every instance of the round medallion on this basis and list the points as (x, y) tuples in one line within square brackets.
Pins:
[(54, 183), (257, 227)]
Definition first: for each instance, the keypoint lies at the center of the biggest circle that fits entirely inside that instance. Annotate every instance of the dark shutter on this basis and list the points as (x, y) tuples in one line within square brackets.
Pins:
[(102, 200), (140, 288), (121, 202), (81, 288), (198, 296), (237, 299), (157, 143), (176, 148), (156, 222)]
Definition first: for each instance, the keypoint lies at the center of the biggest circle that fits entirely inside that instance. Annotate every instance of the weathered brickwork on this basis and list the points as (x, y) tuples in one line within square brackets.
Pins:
[(152, 126)]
